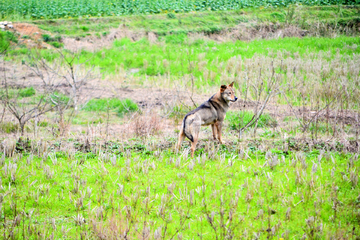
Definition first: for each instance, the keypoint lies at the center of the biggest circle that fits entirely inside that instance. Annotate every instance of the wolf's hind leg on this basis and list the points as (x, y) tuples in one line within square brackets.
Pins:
[(195, 133), (181, 139), (193, 146)]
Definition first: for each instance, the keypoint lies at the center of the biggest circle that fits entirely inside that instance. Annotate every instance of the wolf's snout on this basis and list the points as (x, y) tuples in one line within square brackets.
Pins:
[(235, 99)]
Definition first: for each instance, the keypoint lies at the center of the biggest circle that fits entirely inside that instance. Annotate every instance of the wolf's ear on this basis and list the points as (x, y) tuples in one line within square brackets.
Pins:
[(223, 88), (231, 84)]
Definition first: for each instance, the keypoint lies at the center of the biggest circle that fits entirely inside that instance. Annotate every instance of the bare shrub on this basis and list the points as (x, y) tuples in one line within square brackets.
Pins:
[(65, 79), (146, 125), (23, 104)]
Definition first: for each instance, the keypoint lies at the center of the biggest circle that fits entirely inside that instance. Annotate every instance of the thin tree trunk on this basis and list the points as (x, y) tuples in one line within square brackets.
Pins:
[(22, 127)]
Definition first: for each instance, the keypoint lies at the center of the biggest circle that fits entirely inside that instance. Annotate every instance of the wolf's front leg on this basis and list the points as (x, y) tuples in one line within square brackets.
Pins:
[(219, 128), (213, 131)]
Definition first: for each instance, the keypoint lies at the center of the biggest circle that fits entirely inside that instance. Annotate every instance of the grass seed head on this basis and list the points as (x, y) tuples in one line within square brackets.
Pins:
[(354, 177), (53, 158), (314, 168), (178, 162), (260, 214), (191, 197), (113, 160), (288, 213), (249, 197), (191, 165), (79, 220), (273, 162), (120, 189), (48, 172)]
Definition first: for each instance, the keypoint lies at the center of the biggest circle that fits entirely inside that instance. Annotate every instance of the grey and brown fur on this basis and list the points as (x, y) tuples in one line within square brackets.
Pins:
[(212, 112)]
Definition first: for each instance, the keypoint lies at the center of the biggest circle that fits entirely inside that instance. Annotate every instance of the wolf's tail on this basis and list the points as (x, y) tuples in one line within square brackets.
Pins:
[(186, 130)]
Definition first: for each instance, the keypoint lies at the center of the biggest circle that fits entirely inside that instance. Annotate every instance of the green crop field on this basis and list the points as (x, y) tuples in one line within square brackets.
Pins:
[(36, 9), (93, 94)]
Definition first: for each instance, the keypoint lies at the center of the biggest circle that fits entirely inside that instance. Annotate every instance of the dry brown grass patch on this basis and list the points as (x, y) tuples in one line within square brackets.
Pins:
[(146, 125)]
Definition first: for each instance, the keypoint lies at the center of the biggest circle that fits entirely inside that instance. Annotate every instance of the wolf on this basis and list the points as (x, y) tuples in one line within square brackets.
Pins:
[(212, 112)]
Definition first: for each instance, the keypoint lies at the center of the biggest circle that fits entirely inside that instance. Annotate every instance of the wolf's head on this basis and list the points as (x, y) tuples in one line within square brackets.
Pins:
[(227, 93)]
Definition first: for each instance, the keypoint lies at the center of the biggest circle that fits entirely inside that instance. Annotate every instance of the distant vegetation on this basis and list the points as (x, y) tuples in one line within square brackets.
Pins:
[(317, 20), (34, 9), (156, 59)]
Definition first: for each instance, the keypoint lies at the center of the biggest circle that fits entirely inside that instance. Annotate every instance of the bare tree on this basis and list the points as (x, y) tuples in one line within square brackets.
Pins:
[(66, 71), (263, 90), (75, 74), (52, 82), (21, 106)]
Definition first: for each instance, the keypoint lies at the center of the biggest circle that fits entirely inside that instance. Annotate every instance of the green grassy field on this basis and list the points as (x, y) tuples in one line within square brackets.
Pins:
[(158, 194)]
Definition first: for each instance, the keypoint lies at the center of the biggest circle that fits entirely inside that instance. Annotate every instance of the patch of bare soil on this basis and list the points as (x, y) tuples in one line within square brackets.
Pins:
[(21, 76), (29, 30), (33, 35)]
